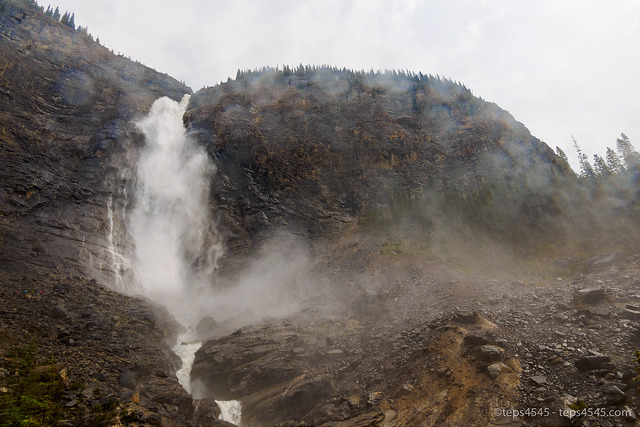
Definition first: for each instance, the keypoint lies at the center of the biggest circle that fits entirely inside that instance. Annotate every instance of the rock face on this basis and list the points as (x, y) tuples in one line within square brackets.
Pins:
[(319, 151), (345, 372), (392, 339), (110, 353), (66, 111)]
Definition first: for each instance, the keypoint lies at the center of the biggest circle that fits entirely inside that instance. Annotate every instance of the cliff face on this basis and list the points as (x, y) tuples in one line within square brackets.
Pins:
[(318, 151), (313, 152), (67, 106)]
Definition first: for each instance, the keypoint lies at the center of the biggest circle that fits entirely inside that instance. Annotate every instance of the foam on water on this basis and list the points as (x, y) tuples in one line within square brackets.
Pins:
[(230, 410)]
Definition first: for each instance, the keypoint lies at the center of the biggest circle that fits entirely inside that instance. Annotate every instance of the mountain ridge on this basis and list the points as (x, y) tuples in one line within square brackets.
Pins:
[(389, 210)]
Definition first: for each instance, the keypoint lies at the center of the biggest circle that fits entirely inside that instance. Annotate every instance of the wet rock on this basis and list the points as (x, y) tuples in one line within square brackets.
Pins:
[(206, 328), (590, 295), (57, 167), (206, 411), (593, 363)]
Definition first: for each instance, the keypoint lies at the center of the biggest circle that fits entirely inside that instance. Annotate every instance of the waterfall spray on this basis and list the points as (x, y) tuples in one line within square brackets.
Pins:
[(176, 248)]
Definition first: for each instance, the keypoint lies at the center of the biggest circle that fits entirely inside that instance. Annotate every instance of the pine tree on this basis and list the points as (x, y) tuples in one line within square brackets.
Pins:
[(56, 14), (629, 155), (586, 170), (71, 22), (613, 162), (600, 165), (65, 18)]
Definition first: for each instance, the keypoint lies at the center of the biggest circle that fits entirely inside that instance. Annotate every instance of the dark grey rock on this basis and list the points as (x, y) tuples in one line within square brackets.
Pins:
[(631, 314), (613, 395), (206, 328), (128, 379), (475, 338), (593, 363), (465, 317), (591, 295)]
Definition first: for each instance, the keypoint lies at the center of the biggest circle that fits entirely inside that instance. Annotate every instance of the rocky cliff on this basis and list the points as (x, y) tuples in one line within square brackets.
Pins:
[(327, 148), (81, 354), (68, 106), (380, 173)]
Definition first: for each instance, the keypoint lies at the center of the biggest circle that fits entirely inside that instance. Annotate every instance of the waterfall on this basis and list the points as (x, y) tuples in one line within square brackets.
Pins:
[(230, 410), (176, 246)]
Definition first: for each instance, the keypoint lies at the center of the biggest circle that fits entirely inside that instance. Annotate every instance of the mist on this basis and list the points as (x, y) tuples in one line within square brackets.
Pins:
[(178, 247)]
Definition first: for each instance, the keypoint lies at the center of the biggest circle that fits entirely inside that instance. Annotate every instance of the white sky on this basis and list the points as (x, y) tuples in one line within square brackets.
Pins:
[(561, 67)]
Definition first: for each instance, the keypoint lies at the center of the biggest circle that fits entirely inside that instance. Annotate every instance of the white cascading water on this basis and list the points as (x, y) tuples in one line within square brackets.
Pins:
[(176, 248)]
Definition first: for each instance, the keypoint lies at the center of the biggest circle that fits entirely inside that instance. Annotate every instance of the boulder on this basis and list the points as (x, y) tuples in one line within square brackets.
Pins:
[(475, 338), (206, 328), (495, 369), (590, 295), (539, 380), (631, 314), (613, 395), (594, 363), (206, 411), (489, 353), (465, 317), (601, 262)]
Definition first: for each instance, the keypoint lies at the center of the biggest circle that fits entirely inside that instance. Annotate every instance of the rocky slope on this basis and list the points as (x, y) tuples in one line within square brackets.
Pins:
[(108, 357), (66, 133), (419, 343)]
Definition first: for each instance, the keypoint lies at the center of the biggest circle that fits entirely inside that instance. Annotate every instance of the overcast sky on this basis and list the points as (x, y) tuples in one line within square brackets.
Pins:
[(561, 67)]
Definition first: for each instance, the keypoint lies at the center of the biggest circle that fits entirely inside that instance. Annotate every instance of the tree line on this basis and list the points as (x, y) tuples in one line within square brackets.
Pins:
[(624, 160), (67, 18)]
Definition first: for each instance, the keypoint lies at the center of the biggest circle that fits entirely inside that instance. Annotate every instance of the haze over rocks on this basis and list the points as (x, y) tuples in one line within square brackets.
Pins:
[(396, 251)]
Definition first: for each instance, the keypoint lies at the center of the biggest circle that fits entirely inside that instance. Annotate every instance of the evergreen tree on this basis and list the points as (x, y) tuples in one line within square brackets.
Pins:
[(600, 165), (56, 14), (613, 162), (629, 155), (65, 18), (586, 170), (71, 22)]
